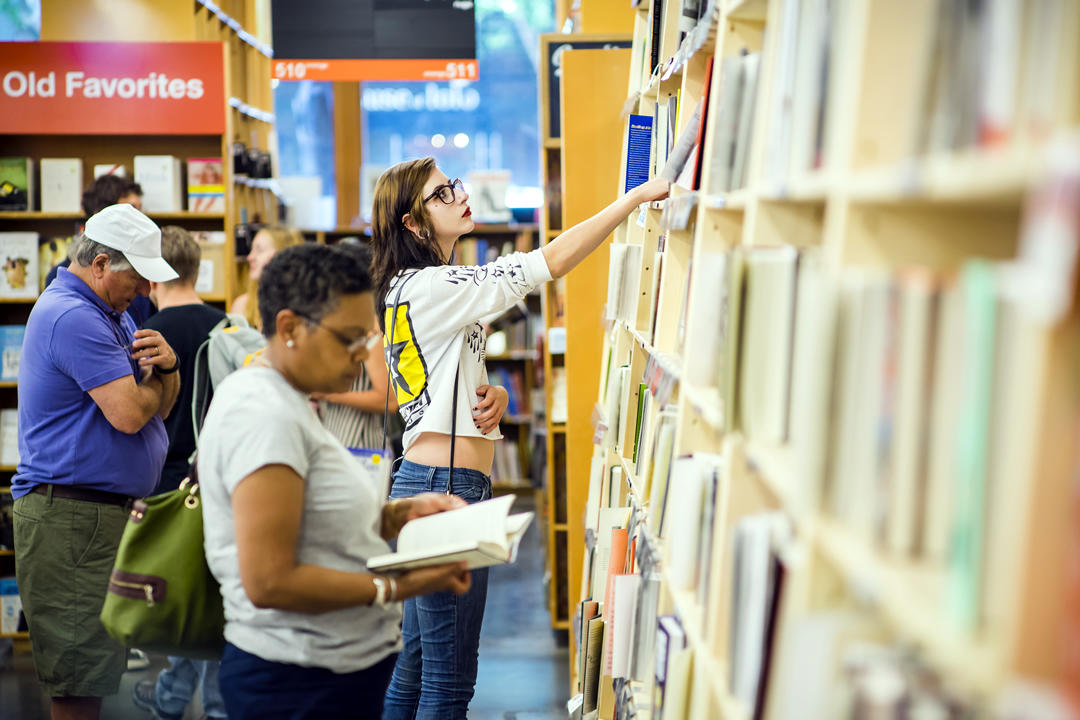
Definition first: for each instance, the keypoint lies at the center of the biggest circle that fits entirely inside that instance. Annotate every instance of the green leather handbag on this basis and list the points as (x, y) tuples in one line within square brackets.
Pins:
[(162, 597)]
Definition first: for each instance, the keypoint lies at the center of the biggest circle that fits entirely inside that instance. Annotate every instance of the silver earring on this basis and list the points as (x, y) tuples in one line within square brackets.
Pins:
[(290, 343)]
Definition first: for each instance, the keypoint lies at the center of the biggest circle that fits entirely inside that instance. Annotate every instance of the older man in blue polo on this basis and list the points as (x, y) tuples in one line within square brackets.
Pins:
[(93, 392)]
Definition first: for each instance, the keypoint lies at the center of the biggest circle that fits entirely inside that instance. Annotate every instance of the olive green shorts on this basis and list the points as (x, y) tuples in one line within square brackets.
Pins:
[(64, 553)]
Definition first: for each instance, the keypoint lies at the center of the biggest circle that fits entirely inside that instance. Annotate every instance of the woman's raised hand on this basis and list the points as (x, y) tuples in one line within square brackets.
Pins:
[(655, 189)]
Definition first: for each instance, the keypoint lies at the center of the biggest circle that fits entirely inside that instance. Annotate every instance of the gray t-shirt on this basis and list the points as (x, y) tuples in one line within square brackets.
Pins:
[(258, 419)]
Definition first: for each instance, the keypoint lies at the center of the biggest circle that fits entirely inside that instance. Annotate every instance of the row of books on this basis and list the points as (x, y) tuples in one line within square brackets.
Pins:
[(513, 379), (481, 250), (506, 468), (992, 72), (160, 176), (28, 257), (629, 654), (893, 390)]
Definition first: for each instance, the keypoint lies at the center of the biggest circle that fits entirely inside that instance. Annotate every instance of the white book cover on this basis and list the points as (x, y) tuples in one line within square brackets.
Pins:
[(685, 505), (812, 376), (768, 321), (747, 114), (723, 119), (61, 185), (9, 437), (159, 176), (626, 594), (907, 470), (481, 534), (19, 253), (117, 169), (616, 268), (707, 290)]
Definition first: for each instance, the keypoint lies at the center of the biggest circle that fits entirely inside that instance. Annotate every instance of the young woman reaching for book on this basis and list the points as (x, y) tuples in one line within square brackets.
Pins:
[(431, 312)]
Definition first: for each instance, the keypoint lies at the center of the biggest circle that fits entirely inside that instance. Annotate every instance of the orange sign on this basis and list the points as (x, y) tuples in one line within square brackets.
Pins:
[(87, 88), (393, 70)]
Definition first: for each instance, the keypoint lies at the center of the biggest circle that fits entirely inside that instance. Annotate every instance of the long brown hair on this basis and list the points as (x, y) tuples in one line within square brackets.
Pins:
[(394, 247), (281, 237)]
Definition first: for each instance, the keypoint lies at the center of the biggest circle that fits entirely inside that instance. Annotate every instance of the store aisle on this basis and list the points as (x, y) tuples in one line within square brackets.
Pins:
[(522, 674)]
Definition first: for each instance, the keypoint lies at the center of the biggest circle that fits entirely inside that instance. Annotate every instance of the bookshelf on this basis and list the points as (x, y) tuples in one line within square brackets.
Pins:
[(243, 31), (836, 407), (557, 180)]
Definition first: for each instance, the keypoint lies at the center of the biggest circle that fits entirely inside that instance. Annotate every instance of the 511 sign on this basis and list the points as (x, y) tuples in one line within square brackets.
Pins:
[(402, 70)]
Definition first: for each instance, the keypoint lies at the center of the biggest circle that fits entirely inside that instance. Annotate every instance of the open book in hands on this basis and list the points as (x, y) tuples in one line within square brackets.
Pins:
[(481, 534)]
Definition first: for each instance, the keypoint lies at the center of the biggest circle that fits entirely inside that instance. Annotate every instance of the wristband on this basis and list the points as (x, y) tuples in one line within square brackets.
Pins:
[(381, 588), (170, 371)]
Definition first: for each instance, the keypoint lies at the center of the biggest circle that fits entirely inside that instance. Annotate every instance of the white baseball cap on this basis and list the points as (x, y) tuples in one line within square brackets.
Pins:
[(124, 228)]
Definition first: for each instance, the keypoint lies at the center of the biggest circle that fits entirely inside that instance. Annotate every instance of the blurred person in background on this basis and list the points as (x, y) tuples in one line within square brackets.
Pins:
[(266, 243)]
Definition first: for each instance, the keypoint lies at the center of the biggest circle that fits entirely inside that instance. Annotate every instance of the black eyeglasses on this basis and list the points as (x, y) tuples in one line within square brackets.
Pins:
[(352, 345), (446, 192)]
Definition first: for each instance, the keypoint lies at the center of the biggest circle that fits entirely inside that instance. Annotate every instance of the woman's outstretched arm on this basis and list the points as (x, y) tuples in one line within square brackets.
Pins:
[(574, 245)]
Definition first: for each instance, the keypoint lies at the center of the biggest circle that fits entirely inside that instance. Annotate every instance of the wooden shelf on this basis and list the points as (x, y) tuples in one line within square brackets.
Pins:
[(16, 636), (6, 553), (557, 427), (8, 468), (9, 384), (552, 143), (36, 215)]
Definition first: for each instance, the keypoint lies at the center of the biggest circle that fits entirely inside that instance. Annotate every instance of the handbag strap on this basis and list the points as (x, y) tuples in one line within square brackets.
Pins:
[(453, 434)]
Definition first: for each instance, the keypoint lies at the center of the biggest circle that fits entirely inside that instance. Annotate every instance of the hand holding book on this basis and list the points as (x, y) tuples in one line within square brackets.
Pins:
[(398, 512), (480, 534)]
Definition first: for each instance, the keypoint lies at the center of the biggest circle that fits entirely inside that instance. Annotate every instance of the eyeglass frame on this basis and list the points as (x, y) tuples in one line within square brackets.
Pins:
[(352, 345), (455, 183)]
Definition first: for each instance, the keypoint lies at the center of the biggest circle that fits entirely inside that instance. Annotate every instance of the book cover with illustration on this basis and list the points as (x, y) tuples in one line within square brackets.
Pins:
[(16, 183), (19, 254), (51, 253), (205, 185), (11, 340)]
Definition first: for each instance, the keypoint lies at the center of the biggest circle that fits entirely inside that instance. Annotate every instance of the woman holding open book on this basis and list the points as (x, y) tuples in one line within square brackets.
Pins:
[(309, 632), (431, 312)]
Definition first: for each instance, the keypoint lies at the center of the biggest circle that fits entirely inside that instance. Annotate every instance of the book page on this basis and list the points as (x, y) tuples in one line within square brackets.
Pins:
[(480, 522)]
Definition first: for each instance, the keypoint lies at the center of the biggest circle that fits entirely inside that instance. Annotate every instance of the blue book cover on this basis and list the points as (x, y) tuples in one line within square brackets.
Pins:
[(638, 150), (11, 340)]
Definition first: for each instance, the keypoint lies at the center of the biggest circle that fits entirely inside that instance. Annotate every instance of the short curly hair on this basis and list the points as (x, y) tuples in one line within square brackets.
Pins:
[(309, 279)]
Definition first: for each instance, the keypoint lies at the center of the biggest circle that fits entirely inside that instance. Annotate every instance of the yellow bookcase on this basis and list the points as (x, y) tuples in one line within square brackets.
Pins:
[(863, 344)]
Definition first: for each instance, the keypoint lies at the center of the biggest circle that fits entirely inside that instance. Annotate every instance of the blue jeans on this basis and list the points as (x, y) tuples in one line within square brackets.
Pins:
[(176, 686), (257, 689), (436, 672)]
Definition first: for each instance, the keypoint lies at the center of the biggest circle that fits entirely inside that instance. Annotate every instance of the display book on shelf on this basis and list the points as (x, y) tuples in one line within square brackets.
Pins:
[(34, 239), (833, 478)]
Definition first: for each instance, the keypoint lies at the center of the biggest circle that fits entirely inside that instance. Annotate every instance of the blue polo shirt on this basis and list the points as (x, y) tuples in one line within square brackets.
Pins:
[(74, 342)]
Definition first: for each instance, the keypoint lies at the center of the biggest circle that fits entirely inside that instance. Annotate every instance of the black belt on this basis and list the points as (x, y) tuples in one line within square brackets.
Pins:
[(74, 492)]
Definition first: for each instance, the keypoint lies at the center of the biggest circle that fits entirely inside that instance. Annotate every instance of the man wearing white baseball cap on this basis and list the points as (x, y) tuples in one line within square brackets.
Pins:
[(93, 393)]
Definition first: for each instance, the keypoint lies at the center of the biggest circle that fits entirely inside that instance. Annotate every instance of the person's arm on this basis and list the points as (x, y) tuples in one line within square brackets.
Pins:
[(575, 244), (267, 509), (152, 351), (373, 400), (239, 304), (129, 406)]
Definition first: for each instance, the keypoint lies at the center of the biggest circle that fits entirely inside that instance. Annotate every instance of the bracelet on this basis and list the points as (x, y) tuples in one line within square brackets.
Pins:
[(380, 591), (170, 371), (393, 589)]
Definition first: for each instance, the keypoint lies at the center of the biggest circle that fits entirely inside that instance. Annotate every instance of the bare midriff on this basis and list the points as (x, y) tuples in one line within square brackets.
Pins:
[(431, 448)]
